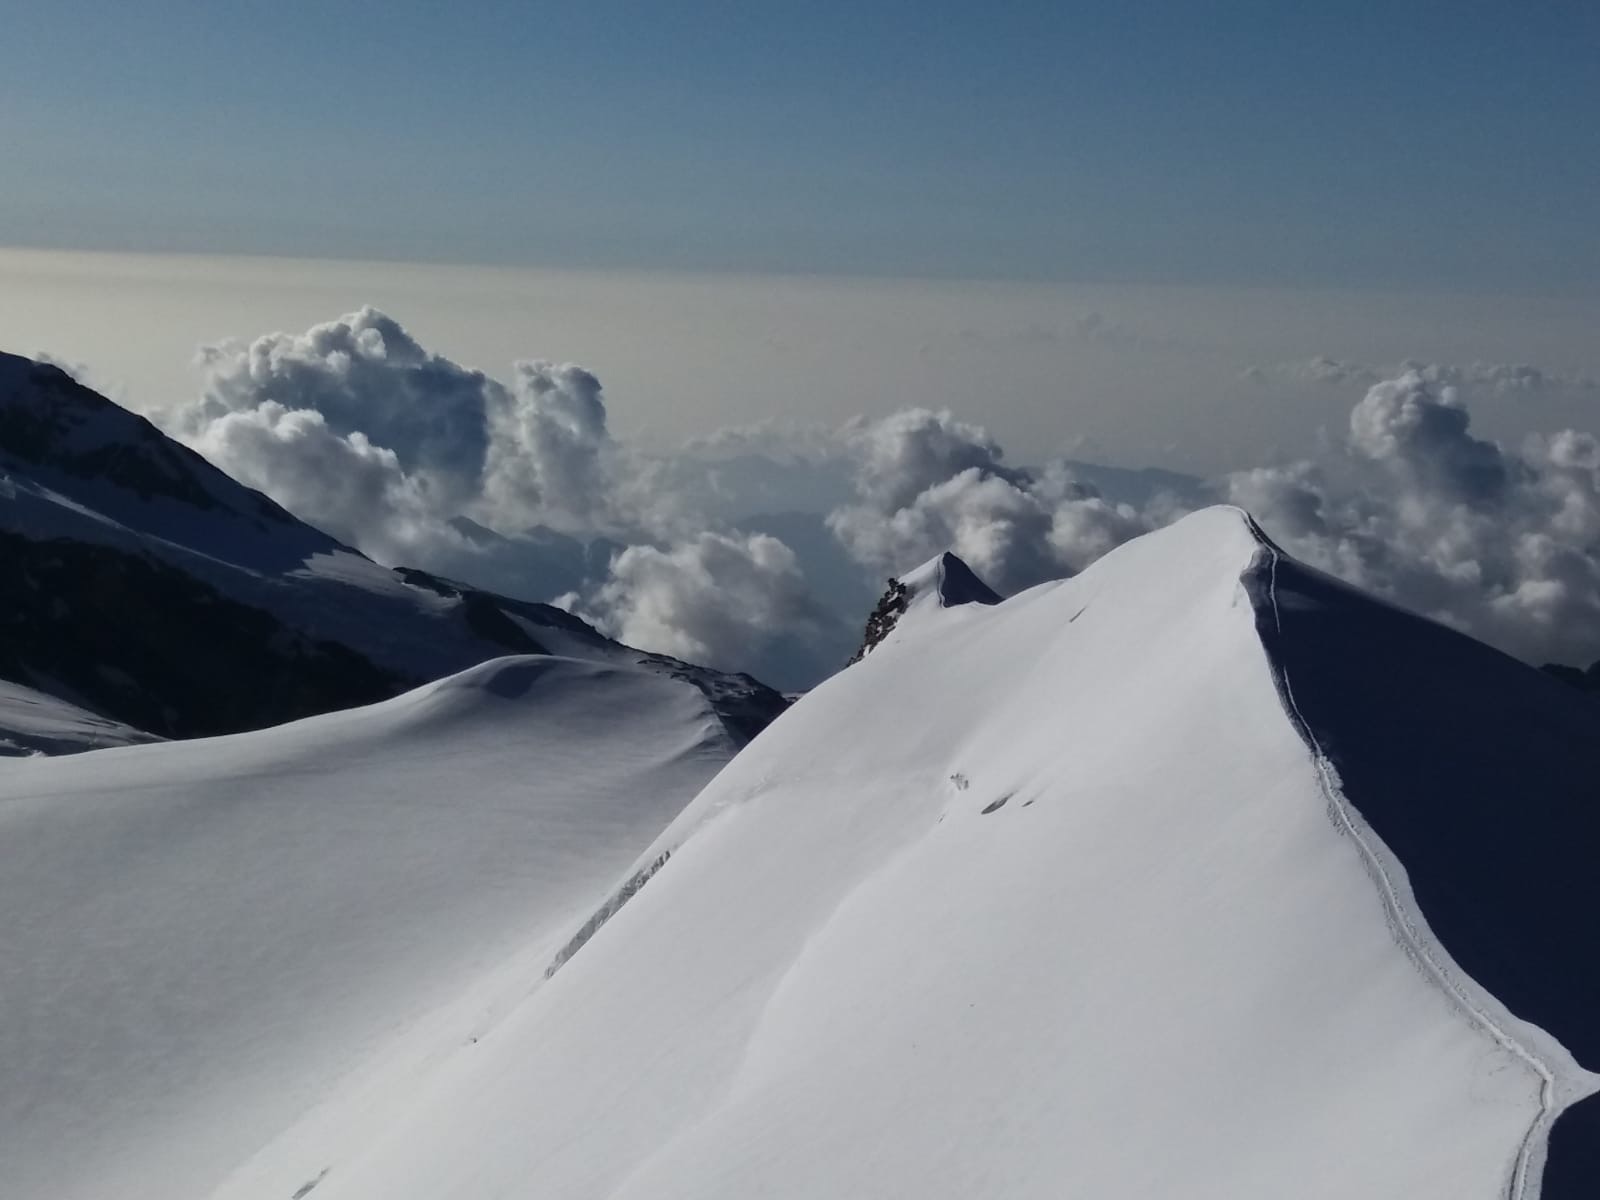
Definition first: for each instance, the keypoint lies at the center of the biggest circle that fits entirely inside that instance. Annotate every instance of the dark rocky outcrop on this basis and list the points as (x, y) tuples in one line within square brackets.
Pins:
[(948, 580), (882, 620)]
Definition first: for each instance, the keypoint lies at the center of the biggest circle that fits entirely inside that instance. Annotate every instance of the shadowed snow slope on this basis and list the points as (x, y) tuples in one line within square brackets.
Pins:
[(1050, 898), (35, 723), (204, 941), (1479, 775)]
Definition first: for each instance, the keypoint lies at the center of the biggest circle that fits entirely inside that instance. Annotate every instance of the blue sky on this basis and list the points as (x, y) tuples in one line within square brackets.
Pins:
[(1423, 145)]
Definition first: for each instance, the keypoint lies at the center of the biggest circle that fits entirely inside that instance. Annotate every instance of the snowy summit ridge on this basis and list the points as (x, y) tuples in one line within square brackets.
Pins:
[(947, 581), (1141, 890), (944, 581), (1198, 874)]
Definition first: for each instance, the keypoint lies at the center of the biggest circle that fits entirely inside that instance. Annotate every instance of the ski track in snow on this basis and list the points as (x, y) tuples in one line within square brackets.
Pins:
[(1415, 942)]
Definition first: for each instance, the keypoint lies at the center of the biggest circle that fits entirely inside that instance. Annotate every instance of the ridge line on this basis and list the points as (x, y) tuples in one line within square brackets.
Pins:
[(1400, 919)]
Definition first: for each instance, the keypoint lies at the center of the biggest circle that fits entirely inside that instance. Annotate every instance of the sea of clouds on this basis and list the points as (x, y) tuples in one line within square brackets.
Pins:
[(761, 548)]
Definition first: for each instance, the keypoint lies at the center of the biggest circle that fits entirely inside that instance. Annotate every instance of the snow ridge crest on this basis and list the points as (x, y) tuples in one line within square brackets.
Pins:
[(944, 581)]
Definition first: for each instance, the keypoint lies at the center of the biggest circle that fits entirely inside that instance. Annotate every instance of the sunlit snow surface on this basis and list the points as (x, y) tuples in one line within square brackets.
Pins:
[(1039, 900), (204, 940), (1045, 899)]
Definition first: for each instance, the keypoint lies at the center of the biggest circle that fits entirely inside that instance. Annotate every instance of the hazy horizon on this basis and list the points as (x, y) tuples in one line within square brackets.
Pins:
[(1183, 377), (759, 451)]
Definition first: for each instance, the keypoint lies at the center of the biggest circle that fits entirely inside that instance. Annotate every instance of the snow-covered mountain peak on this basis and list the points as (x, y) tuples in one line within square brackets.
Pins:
[(944, 580), (1095, 900), (82, 447), (1195, 874)]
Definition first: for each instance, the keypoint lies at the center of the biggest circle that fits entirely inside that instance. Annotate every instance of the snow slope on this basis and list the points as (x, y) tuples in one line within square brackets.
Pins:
[(1050, 898), (206, 940), (33, 722)]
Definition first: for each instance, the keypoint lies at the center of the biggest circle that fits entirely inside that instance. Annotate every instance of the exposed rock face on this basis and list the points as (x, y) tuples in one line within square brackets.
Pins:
[(891, 607)]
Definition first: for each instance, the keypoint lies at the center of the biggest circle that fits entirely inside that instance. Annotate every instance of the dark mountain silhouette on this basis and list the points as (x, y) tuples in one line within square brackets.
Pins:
[(139, 581), (1583, 680)]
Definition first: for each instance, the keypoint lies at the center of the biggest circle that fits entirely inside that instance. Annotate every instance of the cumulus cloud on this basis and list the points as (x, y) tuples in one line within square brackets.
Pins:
[(360, 429), (734, 601), (356, 427), (342, 483), (927, 482), (905, 454), (551, 452), (425, 439), (363, 374), (1504, 544), (1419, 431)]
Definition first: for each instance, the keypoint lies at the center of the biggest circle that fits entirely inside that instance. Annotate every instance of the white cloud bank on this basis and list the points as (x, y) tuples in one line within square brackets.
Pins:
[(357, 428), (734, 601), (1504, 544), (927, 482)]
